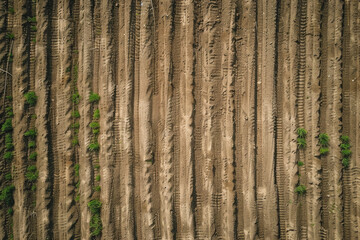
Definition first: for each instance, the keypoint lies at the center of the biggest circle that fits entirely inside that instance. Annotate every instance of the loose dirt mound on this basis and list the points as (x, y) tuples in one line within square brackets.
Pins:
[(148, 119)]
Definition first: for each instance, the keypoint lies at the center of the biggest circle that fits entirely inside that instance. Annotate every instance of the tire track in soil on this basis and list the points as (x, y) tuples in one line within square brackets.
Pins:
[(266, 189), (245, 120), (300, 114), (63, 154), (146, 150), (86, 57), (226, 165), (125, 113), (107, 92), (43, 195), (350, 117), (20, 123), (286, 147), (330, 120), (164, 120), (312, 97)]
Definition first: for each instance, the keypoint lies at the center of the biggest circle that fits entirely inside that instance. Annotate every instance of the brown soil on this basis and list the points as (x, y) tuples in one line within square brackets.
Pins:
[(199, 106)]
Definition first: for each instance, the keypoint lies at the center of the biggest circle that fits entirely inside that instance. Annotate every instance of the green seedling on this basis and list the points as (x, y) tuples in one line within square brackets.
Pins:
[(8, 156), (32, 174), (346, 152), (301, 132), (324, 140), (30, 98), (9, 98), (33, 156), (31, 133), (76, 169), (75, 98), (95, 225), (96, 114), (10, 36), (324, 151), (301, 142), (300, 163), (9, 146), (94, 147), (95, 206), (345, 162), (8, 176), (32, 144), (301, 189), (11, 11), (94, 98), (94, 125), (33, 187), (97, 178), (75, 114), (7, 195), (345, 139), (97, 188), (10, 211), (7, 126), (75, 125)]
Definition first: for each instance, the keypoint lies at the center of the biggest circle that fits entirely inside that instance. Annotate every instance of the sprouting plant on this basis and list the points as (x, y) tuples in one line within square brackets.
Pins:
[(94, 98), (11, 10), (9, 112), (9, 146), (8, 138), (97, 166), (95, 206), (8, 176), (95, 131), (95, 225), (33, 187), (31, 19), (30, 98), (301, 142), (31, 144), (33, 28), (75, 125), (7, 126), (31, 133), (77, 198), (77, 185), (10, 211), (345, 146), (324, 140), (75, 98), (75, 141), (96, 114), (94, 125), (7, 195), (76, 169), (10, 36), (94, 147), (345, 139), (300, 163), (33, 156), (32, 174), (324, 151), (345, 162), (301, 189), (346, 152), (33, 116), (301, 132), (75, 114), (8, 156), (97, 178), (9, 98), (97, 188)]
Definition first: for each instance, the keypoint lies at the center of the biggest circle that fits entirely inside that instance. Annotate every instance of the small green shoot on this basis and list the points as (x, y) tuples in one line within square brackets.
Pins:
[(94, 147), (96, 114), (94, 98), (324, 151), (7, 126), (300, 163), (301, 189), (324, 140), (30, 98)]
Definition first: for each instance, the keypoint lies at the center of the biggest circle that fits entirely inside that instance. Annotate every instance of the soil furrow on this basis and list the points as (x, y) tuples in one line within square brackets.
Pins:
[(266, 189), (245, 120)]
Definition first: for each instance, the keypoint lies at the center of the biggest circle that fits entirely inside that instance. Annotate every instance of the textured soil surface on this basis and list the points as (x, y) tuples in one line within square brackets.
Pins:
[(195, 133)]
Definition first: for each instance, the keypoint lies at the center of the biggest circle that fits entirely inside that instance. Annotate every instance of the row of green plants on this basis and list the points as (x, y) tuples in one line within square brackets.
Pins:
[(7, 193), (324, 142), (95, 204)]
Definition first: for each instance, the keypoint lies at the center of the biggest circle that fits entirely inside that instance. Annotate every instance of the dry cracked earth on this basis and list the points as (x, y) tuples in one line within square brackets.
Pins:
[(180, 119)]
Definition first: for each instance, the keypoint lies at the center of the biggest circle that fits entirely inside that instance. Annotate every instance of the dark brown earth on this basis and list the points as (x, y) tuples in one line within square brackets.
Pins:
[(200, 102)]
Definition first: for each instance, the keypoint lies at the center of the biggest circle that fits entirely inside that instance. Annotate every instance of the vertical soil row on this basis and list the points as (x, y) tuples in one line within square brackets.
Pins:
[(20, 121), (330, 119), (245, 118), (124, 191), (286, 164), (86, 46), (42, 84), (228, 70), (107, 89), (164, 121), (350, 117), (265, 168)]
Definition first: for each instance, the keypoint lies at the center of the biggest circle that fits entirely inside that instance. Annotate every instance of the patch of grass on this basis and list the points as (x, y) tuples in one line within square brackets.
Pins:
[(32, 144), (8, 176), (324, 140), (7, 126), (76, 169), (324, 151), (95, 206), (94, 125), (33, 156), (94, 147), (94, 98), (97, 178), (97, 188), (31, 133), (30, 98), (300, 163), (301, 189), (96, 114), (301, 132), (32, 174), (75, 114), (8, 156), (7, 195), (75, 98)]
